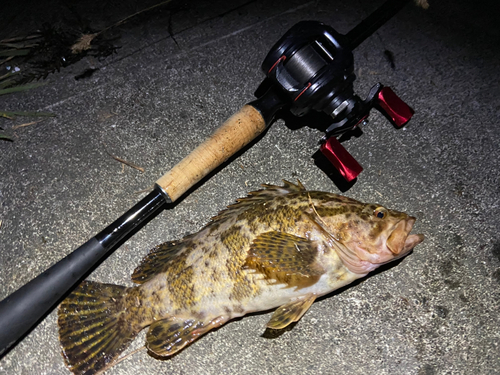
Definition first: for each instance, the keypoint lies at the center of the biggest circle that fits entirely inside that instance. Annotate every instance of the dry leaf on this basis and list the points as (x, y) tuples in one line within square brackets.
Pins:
[(83, 43)]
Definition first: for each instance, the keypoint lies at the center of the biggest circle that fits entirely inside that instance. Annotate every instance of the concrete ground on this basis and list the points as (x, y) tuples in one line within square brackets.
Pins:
[(436, 312)]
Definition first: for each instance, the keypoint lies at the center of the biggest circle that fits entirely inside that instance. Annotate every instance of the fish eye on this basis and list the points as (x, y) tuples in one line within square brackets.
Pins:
[(380, 212)]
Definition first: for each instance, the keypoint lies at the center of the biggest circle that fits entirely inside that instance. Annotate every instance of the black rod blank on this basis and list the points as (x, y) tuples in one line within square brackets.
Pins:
[(374, 21), (23, 309)]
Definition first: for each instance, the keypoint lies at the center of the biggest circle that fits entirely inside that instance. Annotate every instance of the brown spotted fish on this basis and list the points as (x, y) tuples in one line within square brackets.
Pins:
[(280, 247)]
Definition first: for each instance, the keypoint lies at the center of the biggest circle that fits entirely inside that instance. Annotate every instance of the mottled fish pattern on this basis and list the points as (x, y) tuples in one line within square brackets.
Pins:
[(281, 247)]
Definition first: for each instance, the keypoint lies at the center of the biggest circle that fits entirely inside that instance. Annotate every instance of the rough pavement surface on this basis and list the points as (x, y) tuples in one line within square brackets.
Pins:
[(436, 312)]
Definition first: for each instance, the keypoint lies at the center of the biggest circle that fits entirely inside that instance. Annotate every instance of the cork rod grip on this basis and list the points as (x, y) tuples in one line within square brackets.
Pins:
[(230, 137)]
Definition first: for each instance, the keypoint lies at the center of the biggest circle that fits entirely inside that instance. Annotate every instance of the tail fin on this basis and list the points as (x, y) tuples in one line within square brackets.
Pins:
[(93, 327)]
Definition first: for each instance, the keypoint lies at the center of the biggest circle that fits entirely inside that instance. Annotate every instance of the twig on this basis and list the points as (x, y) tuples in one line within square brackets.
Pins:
[(85, 40), (171, 32), (109, 115), (149, 188), (132, 165), (7, 75), (27, 124), (128, 355), (6, 60)]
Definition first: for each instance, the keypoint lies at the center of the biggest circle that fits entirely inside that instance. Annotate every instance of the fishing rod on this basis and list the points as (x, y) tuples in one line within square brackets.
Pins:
[(310, 68)]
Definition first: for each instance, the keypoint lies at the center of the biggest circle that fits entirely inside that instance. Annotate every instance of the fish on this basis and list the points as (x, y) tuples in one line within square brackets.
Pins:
[(280, 248)]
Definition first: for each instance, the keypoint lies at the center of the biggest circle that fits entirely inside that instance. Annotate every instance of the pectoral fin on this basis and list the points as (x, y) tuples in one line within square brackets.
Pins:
[(286, 259), (290, 312), (168, 336)]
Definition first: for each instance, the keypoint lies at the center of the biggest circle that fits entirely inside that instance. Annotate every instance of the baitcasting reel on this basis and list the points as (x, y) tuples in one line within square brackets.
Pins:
[(312, 67)]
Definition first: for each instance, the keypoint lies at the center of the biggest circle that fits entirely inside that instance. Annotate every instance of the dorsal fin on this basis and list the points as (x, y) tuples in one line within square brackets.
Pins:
[(287, 188), (255, 197)]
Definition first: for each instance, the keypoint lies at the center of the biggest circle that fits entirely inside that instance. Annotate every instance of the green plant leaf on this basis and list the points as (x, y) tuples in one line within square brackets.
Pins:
[(20, 88), (5, 137), (6, 83), (14, 52), (7, 75)]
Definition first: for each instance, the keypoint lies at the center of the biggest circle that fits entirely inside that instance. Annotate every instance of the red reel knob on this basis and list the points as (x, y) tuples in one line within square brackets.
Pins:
[(398, 112), (348, 167)]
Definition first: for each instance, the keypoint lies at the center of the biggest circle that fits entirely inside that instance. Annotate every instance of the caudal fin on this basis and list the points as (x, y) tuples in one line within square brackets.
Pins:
[(93, 327)]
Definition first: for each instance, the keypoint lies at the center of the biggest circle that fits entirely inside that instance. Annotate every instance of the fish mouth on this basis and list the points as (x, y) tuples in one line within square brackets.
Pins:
[(400, 242)]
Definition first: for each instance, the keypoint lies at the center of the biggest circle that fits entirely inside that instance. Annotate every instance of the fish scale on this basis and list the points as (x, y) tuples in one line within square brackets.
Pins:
[(281, 247)]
